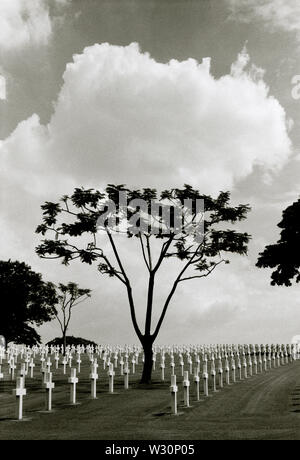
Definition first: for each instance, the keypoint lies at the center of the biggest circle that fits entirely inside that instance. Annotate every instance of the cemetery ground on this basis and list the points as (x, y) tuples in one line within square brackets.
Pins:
[(264, 406)]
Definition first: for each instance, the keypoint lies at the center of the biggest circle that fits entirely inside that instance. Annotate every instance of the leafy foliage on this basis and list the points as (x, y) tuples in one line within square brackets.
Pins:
[(70, 340), (85, 206), (26, 301), (283, 256)]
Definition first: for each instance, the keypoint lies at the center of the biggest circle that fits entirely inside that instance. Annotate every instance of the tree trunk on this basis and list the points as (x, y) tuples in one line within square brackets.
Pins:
[(148, 363), (65, 342)]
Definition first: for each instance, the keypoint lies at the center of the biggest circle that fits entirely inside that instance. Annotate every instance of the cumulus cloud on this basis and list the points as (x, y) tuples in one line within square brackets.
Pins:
[(277, 14), (167, 115), (24, 22), (2, 87), (123, 117)]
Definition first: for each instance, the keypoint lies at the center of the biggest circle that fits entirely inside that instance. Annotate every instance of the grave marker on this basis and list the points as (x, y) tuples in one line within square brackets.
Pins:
[(227, 371), (220, 372), (126, 377), (205, 378), (186, 389), (73, 380), (197, 384), (111, 374), (94, 377), (19, 393), (213, 373), (173, 390), (49, 385)]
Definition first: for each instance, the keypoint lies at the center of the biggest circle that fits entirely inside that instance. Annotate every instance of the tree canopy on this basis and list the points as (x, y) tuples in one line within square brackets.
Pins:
[(283, 255), (71, 340), (26, 301), (172, 219)]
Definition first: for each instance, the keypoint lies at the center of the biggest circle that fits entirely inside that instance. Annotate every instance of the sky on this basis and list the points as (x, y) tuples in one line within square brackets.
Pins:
[(154, 93)]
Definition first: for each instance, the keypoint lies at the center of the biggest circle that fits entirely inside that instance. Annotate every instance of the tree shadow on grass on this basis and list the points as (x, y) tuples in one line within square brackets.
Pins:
[(150, 386)]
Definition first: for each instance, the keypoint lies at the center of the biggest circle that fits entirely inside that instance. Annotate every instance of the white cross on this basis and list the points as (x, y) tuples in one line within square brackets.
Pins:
[(173, 390), (19, 393), (121, 366), (73, 380), (186, 389), (56, 358), (31, 365), (49, 385), (65, 362), (48, 364), (162, 367), (126, 377), (12, 367), (133, 365), (94, 377), (197, 383), (78, 362), (205, 377), (111, 374)]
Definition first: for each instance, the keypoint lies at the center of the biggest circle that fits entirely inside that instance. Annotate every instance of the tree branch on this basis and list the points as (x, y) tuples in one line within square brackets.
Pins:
[(128, 287), (175, 284), (149, 251), (163, 252), (209, 271), (61, 325), (117, 255), (143, 252)]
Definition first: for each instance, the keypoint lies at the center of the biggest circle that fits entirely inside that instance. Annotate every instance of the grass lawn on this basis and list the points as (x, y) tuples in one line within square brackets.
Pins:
[(265, 406)]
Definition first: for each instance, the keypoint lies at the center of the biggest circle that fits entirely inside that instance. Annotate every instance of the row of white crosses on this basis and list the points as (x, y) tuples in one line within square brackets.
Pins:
[(241, 361), (108, 356), (247, 360), (27, 355)]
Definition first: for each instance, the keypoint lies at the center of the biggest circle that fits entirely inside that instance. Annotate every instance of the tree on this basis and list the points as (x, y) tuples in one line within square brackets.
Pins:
[(26, 300), (283, 255), (76, 230), (68, 296), (70, 340)]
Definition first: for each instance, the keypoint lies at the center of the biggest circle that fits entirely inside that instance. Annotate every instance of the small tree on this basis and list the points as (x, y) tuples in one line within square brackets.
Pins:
[(69, 296), (26, 300), (283, 255), (74, 223)]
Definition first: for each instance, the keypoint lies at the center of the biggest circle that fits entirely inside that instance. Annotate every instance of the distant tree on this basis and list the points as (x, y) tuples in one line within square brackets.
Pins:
[(283, 256), (70, 340), (74, 224), (68, 296), (26, 300)]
